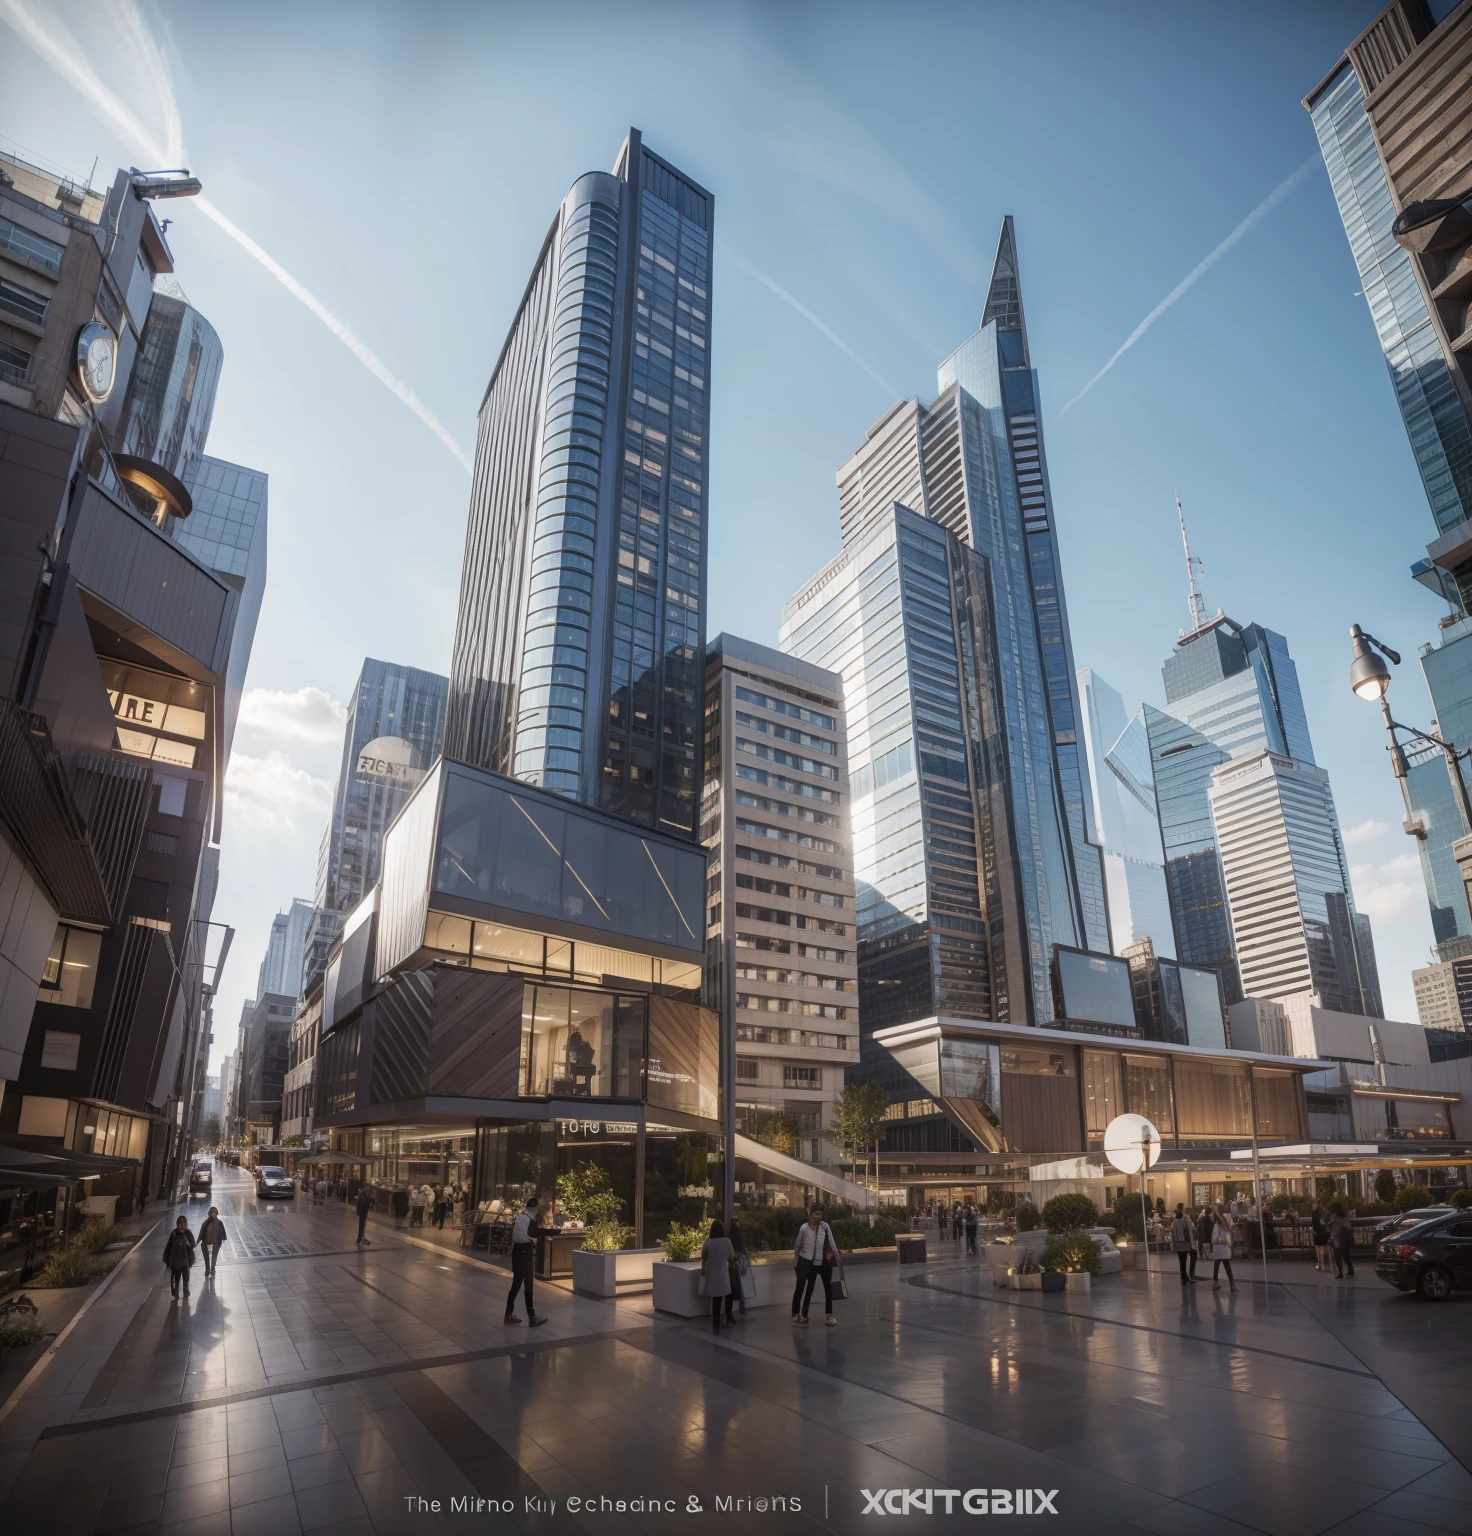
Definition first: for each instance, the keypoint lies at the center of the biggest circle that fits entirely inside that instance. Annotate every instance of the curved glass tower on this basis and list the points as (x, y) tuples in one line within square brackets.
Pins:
[(582, 605)]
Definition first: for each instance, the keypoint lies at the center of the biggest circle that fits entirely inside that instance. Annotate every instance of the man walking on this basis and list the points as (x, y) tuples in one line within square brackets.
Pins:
[(971, 1229), (524, 1235), (179, 1256), (814, 1254), (363, 1204), (211, 1235), (1341, 1236), (1183, 1240)]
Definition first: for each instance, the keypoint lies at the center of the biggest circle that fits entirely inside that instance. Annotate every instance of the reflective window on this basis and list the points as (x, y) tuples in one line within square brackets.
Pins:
[(1213, 1102), (578, 1044), (71, 968), (1147, 1091), (1103, 1095), (1279, 1112)]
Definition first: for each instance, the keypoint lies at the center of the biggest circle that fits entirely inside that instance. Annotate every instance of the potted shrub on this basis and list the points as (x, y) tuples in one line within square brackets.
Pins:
[(1026, 1275), (604, 1265), (1074, 1258), (1070, 1213), (677, 1279)]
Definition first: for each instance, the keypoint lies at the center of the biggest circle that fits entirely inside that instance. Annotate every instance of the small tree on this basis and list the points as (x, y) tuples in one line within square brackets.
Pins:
[(1385, 1186), (1026, 1216), (1070, 1213), (1412, 1197), (773, 1129), (858, 1119)]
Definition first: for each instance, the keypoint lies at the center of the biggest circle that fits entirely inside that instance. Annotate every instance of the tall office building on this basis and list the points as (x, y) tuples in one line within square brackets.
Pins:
[(578, 662), (394, 730), (1294, 925), (1126, 818), (775, 813), (1444, 1007), (281, 965), (1401, 86), (1230, 690), (966, 859)]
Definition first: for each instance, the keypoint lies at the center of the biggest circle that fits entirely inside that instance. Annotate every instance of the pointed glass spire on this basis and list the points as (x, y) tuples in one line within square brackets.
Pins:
[(1004, 296)]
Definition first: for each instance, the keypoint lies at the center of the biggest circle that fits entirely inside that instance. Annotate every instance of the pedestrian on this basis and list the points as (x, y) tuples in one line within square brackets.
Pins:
[(970, 1229), (400, 1203), (1341, 1238), (524, 1235), (441, 1197), (1183, 1241), (1319, 1222), (814, 1252), (742, 1264), (362, 1205), (179, 1256), (1221, 1251), (943, 1216), (716, 1261), (211, 1234), (1203, 1231), (416, 1206)]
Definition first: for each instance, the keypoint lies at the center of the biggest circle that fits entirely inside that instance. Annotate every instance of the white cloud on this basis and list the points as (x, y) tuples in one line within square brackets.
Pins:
[(271, 792), (308, 714), (1390, 891), (1365, 832)]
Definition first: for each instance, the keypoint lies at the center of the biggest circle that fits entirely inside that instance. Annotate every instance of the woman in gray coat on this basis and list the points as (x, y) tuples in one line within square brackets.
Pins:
[(715, 1269)]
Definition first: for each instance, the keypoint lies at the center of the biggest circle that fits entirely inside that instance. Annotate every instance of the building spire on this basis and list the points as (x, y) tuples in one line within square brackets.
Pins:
[(1004, 292), (1193, 565)]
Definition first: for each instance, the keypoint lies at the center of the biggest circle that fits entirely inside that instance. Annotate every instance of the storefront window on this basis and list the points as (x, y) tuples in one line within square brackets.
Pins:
[(514, 1163), (1102, 1099), (578, 1044), (683, 1175), (1278, 1114), (1147, 1091), (595, 1160), (1213, 1102)]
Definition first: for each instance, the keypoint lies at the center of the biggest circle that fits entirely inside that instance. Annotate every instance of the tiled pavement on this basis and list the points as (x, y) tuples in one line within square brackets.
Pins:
[(316, 1387)]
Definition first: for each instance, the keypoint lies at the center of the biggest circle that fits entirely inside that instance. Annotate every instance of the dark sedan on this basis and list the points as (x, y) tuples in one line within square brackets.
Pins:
[(1432, 1257), (272, 1182)]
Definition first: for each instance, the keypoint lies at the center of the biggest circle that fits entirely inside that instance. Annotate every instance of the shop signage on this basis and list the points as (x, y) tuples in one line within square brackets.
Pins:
[(597, 1128), (390, 760), (155, 715)]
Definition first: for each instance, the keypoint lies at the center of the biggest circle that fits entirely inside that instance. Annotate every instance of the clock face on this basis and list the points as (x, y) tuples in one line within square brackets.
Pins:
[(97, 357)]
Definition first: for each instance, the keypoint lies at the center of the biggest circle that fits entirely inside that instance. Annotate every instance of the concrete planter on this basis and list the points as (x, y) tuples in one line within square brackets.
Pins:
[(1081, 1282), (612, 1274), (1027, 1282), (1126, 1256), (677, 1287), (1000, 1278)]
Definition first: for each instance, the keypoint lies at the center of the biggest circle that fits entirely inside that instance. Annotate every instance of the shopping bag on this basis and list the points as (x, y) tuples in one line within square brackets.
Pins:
[(840, 1284), (703, 1290), (748, 1285)]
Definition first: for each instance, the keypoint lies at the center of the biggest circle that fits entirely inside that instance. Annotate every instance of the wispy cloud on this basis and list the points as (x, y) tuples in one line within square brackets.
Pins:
[(752, 270), (308, 714), (42, 29), (1390, 891), (1365, 832), (272, 792), (1194, 276)]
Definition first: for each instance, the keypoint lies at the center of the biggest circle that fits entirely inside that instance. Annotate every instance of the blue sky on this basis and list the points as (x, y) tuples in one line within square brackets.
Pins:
[(403, 162)]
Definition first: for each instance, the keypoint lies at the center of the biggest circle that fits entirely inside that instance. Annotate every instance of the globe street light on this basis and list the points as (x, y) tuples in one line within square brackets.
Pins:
[(1369, 677)]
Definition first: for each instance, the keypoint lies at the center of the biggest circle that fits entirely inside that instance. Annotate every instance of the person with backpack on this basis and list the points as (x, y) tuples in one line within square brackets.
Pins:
[(815, 1253), (179, 1256)]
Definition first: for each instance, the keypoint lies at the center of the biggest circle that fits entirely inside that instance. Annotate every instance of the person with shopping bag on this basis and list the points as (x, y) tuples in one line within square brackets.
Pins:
[(744, 1287), (1221, 1250), (815, 1253), (717, 1259)]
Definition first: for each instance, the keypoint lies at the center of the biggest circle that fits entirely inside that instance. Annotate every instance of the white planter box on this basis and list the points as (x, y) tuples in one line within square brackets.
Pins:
[(1027, 1282), (677, 1287), (607, 1274), (1000, 1277), (1079, 1282)]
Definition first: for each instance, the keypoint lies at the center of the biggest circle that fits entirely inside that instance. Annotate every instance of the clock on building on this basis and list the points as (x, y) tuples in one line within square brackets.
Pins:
[(97, 361)]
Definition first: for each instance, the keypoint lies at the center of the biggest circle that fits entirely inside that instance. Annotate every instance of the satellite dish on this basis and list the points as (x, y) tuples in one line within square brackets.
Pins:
[(1131, 1143)]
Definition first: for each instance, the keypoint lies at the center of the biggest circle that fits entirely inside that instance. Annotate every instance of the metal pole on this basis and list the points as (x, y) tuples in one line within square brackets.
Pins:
[(1144, 1209), (728, 1071), (1262, 1237)]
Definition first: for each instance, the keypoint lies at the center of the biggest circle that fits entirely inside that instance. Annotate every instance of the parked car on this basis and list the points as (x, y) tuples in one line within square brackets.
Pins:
[(1431, 1256), (201, 1179), (271, 1182)]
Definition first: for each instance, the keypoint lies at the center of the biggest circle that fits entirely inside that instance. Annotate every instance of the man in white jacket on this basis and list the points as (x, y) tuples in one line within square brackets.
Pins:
[(524, 1235), (815, 1253)]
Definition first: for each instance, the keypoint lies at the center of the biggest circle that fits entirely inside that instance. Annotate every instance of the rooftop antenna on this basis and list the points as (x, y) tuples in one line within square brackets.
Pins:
[(1193, 566)]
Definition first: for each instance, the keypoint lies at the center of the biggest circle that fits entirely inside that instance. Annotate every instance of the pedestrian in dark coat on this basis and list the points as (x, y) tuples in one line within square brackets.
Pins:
[(211, 1234), (363, 1204), (179, 1256)]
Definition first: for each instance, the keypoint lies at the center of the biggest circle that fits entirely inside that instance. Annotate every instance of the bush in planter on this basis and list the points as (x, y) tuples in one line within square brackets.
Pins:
[(606, 1236), (1073, 1253), (1291, 1205), (851, 1232), (73, 1265), (1384, 1186), (1070, 1213), (96, 1235), (1462, 1200), (1026, 1217), (1412, 1197), (682, 1243)]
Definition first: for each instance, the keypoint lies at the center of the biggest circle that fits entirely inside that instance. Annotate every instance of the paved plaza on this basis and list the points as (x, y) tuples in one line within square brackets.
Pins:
[(314, 1386)]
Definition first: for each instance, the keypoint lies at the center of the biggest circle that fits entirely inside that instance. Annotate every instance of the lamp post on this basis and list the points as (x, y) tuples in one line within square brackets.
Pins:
[(1369, 677)]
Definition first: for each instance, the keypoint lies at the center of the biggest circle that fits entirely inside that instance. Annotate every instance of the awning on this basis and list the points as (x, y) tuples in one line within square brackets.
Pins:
[(335, 1157), (72, 1165), (27, 1179)]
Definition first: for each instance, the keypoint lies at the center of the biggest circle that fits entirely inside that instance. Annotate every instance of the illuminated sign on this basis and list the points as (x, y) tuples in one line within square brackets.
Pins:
[(154, 715), (390, 759), (596, 1128)]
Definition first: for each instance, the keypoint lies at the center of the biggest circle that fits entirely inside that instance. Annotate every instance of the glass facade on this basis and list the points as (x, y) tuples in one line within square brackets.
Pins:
[(171, 393), (579, 652), (1126, 818), (1436, 422)]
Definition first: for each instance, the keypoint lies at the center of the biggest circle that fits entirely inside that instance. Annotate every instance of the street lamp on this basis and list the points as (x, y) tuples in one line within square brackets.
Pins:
[(1369, 677)]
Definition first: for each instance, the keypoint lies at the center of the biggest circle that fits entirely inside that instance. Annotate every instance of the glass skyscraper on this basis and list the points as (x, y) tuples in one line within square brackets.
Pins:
[(940, 614), (578, 661), (1126, 817)]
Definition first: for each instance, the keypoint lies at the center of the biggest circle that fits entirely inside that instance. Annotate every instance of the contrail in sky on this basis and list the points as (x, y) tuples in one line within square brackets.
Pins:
[(50, 38), (752, 270), (1199, 271)]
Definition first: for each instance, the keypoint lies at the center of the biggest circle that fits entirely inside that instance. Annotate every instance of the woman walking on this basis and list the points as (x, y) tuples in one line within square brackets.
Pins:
[(740, 1266), (1341, 1239), (1319, 1222), (1221, 1251), (1183, 1241), (715, 1272), (179, 1256), (815, 1252)]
